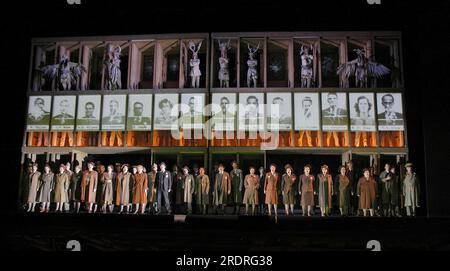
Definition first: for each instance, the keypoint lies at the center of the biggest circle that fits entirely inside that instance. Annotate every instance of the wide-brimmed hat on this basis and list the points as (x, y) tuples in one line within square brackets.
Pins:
[(125, 165), (185, 167), (409, 165), (288, 166)]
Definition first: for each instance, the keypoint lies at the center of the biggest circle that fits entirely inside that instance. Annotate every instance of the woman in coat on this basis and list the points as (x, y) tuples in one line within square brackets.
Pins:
[(33, 186), (108, 189), (99, 194), (89, 186), (366, 190), (124, 187), (140, 189), (61, 188), (287, 188), (306, 190), (188, 188), (411, 190), (325, 190), (46, 186), (151, 195), (270, 189), (75, 187), (343, 190), (251, 184), (202, 190)]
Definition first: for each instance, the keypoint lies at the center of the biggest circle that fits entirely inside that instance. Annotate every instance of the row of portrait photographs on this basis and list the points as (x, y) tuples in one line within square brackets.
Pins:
[(331, 113)]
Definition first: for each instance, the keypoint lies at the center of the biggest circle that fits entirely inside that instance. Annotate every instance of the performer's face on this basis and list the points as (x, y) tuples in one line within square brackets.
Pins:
[(221, 169), (110, 169), (35, 168), (138, 109), (77, 169), (409, 170), (47, 169), (324, 171), (125, 169), (252, 171), (272, 168), (61, 169), (140, 169), (185, 171), (235, 165), (155, 168), (366, 174), (387, 168), (343, 170), (162, 167), (202, 171), (288, 171), (306, 170), (90, 167)]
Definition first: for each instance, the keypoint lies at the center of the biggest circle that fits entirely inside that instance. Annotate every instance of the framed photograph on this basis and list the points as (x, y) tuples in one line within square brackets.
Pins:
[(63, 114), (39, 108), (306, 111), (390, 112), (223, 112), (334, 111), (362, 112), (279, 111), (139, 116), (88, 113), (113, 112), (166, 111), (251, 112), (192, 110)]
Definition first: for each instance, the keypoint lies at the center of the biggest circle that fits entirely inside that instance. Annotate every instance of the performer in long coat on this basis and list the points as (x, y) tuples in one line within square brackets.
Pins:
[(124, 187), (325, 190), (25, 186), (287, 187), (62, 185), (89, 186), (151, 195), (33, 186), (99, 194), (164, 188), (395, 193), (387, 188), (188, 188), (251, 184), (179, 188), (202, 190), (411, 190), (261, 196), (222, 188), (353, 178), (46, 186), (367, 193), (107, 180), (140, 189), (306, 190), (75, 187), (343, 191), (237, 180), (270, 189)]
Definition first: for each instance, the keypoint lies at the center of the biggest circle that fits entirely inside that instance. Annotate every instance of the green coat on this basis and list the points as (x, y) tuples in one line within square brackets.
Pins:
[(343, 190), (202, 190), (237, 181), (411, 190)]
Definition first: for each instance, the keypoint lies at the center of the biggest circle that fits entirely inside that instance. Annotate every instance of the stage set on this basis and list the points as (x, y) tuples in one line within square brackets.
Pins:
[(216, 105)]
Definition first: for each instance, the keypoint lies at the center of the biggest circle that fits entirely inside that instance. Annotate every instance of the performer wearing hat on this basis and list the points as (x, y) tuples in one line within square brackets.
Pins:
[(251, 184), (325, 190), (46, 186), (222, 189), (61, 188), (367, 193), (25, 186), (343, 190), (164, 188), (151, 195), (33, 186), (202, 190), (108, 189), (99, 195), (140, 189), (124, 187), (411, 190), (237, 177), (287, 187), (270, 189), (262, 202), (188, 188), (306, 190), (75, 187), (89, 186), (178, 183)]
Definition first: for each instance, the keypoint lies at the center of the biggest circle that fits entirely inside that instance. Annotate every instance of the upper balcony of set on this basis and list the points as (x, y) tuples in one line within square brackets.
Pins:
[(218, 62)]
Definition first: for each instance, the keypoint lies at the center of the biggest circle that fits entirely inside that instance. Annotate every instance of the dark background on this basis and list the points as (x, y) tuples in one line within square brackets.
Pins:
[(425, 30)]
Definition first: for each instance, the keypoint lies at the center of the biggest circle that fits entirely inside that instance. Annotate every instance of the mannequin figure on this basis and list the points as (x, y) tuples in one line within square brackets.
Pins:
[(252, 63), (307, 66), (195, 65), (224, 75)]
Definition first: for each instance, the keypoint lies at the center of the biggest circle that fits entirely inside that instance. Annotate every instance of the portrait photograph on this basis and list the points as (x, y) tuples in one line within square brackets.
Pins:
[(63, 113), (139, 116), (39, 113), (223, 112), (362, 112), (251, 111), (192, 109), (166, 111), (390, 112), (88, 113), (306, 111), (334, 111), (114, 110), (279, 111)]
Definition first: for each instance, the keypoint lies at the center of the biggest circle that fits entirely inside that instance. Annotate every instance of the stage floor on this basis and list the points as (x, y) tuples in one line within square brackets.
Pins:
[(220, 233)]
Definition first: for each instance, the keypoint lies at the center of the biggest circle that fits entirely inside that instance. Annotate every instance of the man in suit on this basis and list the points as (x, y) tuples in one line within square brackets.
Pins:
[(114, 116), (389, 116), (88, 118), (38, 115), (63, 118), (164, 188), (137, 119), (333, 115)]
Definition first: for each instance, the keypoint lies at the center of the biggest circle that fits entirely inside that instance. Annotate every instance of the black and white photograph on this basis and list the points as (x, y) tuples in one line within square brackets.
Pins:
[(39, 113), (113, 112), (251, 112), (334, 111), (223, 112), (279, 111), (192, 109), (139, 116), (307, 112), (88, 113), (166, 111), (390, 112), (63, 113), (362, 112)]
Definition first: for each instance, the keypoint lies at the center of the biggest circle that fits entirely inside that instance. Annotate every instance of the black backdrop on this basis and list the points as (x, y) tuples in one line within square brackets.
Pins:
[(425, 31)]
